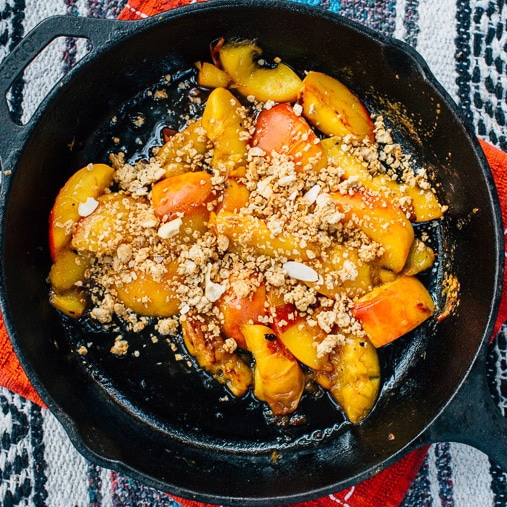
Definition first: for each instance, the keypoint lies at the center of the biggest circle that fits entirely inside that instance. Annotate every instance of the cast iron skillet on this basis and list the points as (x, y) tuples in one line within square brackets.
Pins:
[(164, 425)]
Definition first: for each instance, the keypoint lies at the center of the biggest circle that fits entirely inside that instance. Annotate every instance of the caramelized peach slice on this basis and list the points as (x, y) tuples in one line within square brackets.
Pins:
[(87, 183), (278, 378), (238, 309), (184, 150), (68, 269), (341, 271), (392, 310), (240, 59), (249, 232), (209, 351), (281, 130), (210, 76), (235, 196), (223, 119), (423, 205), (181, 194), (420, 258), (152, 296), (382, 221), (333, 109), (298, 336), (103, 230), (354, 381), (71, 302)]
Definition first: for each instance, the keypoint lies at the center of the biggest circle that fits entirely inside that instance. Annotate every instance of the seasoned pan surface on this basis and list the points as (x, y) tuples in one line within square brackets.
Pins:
[(157, 418)]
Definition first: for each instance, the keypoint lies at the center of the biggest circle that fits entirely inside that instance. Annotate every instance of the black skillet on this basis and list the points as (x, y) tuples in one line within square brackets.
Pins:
[(151, 416)]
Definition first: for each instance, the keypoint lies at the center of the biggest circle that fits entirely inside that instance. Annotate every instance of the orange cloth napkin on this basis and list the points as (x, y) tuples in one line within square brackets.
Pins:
[(386, 489)]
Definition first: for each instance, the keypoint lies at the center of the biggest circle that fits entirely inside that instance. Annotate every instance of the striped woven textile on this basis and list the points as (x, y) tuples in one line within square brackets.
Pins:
[(465, 44)]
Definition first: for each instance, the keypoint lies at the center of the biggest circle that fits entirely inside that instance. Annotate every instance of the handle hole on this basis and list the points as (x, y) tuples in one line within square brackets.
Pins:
[(42, 73)]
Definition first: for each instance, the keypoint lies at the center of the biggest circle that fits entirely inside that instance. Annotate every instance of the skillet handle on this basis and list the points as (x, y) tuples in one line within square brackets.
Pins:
[(98, 31), (473, 418)]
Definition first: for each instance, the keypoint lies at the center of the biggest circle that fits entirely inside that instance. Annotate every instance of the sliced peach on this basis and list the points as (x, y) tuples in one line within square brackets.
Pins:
[(279, 129), (181, 194), (103, 230), (224, 122), (152, 296), (420, 258), (278, 378), (333, 109), (341, 271), (71, 303), (240, 59), (209, 351), (238, 309), (210, 76), (89, 182), (247, 231), (382, 221), (184, 150), (235, 196), (423, 205), (392, 310), (68, 269), (354, 381), (298, 336)]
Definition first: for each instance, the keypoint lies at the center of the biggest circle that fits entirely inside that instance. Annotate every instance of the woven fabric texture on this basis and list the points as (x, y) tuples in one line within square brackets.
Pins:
[(464, 43)]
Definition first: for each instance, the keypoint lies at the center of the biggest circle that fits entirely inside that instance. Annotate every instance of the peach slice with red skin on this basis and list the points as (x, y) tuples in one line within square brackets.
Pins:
[(182, 194), (237, 310), (393, 309), (89, 182), (279, 129)]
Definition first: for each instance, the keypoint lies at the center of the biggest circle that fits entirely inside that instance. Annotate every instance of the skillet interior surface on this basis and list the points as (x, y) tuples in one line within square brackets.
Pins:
[(149, 415)]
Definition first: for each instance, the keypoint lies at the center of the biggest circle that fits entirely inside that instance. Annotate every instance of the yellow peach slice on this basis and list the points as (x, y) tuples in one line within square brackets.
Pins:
[(423, 205), (249, 232), (341, 271), (224, 122), (354, 381), (71, 303), (150, 296), (184, 150), (211, 355), (333, 109), (382, 221), (298, 336), (88, 182), (103, 230), (240, 59), (278, 378), (68, 269), (210, 76)]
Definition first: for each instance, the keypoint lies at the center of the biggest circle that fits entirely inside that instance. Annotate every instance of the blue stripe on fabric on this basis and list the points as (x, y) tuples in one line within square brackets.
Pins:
[(462, 56), (411, 22), (419, 493), (443, 464), (128, 492), (17, 15)]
